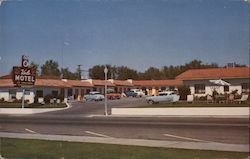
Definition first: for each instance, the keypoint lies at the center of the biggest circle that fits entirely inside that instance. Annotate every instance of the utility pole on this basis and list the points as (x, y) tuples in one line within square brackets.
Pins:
[(80, 71)]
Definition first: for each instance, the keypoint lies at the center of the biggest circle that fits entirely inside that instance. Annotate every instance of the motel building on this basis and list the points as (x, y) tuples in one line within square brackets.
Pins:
[(199, 81)]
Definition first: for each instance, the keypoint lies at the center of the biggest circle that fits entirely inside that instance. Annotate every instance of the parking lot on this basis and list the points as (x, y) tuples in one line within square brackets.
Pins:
[(97, 107)]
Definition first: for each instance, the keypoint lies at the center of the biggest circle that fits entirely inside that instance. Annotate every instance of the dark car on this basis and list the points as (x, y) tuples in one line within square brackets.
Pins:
[(131, 94)]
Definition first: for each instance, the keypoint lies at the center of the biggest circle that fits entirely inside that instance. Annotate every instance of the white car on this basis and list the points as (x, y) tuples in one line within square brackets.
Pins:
[(96, 96), (167, 97), (138, 92)]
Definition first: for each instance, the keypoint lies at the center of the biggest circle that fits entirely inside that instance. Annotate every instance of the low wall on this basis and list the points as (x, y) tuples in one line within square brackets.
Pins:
[(30, 110), (218, 111)]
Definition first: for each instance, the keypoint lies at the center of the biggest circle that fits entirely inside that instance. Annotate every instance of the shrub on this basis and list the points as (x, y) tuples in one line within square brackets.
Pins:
[(17, 101), (2, 100), (234, 92), (203, 98), (47, 98), (183, 92), (215, 93)]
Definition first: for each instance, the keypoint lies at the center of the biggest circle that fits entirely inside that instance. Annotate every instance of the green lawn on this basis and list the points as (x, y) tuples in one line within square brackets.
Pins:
[(184, 104), (19, 105), (40, 149)]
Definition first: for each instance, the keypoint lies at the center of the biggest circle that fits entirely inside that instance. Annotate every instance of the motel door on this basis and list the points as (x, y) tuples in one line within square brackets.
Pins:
[(62, 94), (150, 91), (156, 92), (82, 93)]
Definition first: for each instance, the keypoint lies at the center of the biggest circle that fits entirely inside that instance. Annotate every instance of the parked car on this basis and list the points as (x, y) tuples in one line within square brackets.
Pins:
[(131, 94), (167, 97), (139, 92), (94, 96), (113, 96)]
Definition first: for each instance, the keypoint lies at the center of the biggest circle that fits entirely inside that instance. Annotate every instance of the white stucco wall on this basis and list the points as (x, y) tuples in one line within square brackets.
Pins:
[(209, 87), (29, 95), (241, 112), (4, 93)]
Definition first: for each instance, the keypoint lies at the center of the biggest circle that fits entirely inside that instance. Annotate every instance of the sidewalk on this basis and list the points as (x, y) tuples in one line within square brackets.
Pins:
[(135, 142)]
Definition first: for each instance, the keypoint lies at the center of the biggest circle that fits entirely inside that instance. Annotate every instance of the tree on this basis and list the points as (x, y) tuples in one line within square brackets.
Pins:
[(33, 64), (96, 72), (170, 72), (153, 73), (50, 68), (183, 92), (124, 73), (67, 74)]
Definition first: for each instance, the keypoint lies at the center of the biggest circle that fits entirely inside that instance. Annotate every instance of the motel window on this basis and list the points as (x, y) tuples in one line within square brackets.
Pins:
[(76, 93), (171, 88), (70, 92), (82, 92), (12, 93), (226, 88), (27, 92), (199, 88), (163, 88), (94, 89), (245, 87), (54, 94), (39, 93), (100, 90), (87, 91)]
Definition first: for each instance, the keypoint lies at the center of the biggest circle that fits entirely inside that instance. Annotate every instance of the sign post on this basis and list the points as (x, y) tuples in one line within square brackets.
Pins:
[(23, 98), (24, 76)]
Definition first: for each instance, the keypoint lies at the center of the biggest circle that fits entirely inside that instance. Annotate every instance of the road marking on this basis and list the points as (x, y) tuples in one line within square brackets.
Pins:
[(97, 134), (185, 138), (31, 131)]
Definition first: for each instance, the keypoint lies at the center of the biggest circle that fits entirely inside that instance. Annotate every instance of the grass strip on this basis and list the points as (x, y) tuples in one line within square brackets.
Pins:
[(41, 149), (34, 105)]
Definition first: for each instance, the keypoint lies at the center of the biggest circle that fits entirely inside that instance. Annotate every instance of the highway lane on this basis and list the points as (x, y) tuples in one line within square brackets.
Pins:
[(235, 131), (75, 121)]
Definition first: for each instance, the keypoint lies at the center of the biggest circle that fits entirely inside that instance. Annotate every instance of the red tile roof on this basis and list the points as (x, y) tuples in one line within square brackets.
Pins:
[(51, 83), (215, 73), (102, 83), (122, 83), (78, 83), (38, 83), (6, 83), (157, 82)]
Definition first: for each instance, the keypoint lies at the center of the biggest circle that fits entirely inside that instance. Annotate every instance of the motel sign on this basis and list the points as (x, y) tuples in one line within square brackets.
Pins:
[(24, 75)]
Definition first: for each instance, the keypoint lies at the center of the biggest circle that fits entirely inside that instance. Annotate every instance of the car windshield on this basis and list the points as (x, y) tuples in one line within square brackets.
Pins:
[(93, 93), (163, 94)]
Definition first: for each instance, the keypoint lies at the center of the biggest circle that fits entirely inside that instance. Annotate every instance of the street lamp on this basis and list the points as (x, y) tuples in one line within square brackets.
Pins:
[(105, 100)]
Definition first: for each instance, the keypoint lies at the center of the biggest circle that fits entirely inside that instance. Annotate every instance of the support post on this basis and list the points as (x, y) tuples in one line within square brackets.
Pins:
[(23, 98)]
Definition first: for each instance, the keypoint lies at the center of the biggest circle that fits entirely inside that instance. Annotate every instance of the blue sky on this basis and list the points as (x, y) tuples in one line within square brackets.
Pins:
[(134, 33)]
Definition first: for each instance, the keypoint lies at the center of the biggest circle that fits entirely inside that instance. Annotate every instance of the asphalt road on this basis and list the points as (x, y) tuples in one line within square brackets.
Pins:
[(97, 107), (74, 121)]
